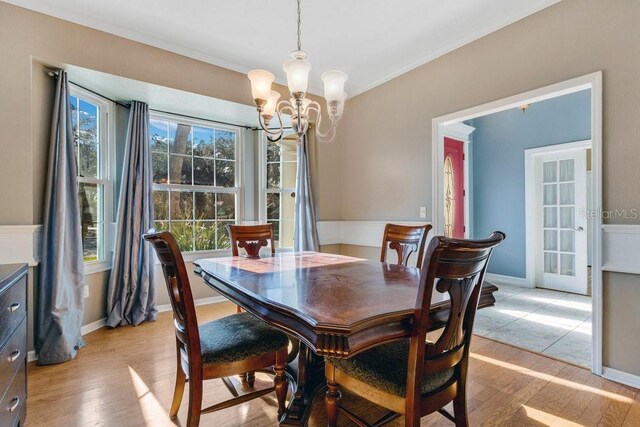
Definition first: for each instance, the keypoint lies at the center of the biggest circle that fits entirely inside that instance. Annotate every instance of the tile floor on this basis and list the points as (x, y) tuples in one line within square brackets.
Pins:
[(554, 323)]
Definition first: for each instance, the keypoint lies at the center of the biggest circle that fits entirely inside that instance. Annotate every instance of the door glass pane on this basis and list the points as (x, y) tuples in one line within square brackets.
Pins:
[(567, 170), (550, 217), (549, 172), (550, 194), (567, 217), (567, 240), (551, 262), (550, 240), (567, 194), (567, 264)]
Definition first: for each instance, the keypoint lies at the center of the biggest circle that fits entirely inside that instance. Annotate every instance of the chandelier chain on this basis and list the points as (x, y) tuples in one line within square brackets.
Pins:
[(299, 24)]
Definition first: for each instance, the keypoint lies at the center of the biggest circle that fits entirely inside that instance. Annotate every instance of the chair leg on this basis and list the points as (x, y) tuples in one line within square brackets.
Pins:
[(332, 401), (280, 383), (195, 400), (178, 391), (460, 408), (251, 378)]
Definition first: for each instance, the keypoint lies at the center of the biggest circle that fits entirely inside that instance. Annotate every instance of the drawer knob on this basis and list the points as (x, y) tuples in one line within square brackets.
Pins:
[(14, 404), (14, 356), (14, 306)]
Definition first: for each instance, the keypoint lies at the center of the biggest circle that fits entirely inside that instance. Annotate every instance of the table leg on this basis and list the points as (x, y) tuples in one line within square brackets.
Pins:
[(308, 370)]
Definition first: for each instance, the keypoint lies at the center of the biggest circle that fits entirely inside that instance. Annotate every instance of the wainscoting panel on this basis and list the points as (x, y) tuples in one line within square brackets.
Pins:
[(621, 246), (20, 243)]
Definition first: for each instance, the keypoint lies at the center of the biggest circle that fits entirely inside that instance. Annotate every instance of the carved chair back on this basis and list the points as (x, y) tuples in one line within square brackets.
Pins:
[(179, 289), (405, 240), (251, 238), (455, 267)]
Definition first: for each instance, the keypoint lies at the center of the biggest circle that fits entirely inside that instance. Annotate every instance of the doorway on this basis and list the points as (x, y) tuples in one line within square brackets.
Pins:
[(526, 282)]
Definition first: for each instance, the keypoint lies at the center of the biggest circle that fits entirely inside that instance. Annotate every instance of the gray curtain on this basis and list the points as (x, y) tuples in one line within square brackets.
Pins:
[(131, 297), (59, 301), (305, 231)]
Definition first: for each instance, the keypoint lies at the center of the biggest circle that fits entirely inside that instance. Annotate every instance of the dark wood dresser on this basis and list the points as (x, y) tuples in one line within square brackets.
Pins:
[(13, 344)]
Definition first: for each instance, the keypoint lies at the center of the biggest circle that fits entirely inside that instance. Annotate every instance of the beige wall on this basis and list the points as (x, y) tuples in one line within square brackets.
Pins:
[(385, 136)]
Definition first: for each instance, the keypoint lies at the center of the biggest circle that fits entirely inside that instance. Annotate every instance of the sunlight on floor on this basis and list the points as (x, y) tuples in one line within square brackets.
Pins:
[(582, 306), (543, 319), (148, 403), (552, 379), (548, 419)]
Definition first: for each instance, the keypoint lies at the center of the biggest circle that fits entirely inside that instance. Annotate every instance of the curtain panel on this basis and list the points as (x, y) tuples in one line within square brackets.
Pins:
[(58, 299), (131, 297), (305, 231)]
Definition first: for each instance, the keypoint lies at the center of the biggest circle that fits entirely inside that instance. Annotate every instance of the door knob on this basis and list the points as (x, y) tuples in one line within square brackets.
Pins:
[(579, 229)]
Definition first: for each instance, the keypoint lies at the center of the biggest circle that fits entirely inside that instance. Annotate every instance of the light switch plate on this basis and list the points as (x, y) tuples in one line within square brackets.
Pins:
[(423, 211)]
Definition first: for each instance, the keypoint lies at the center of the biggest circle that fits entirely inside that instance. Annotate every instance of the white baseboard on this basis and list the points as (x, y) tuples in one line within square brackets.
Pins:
[(94, 326), (202, 301), (621, 377), (507, 280)]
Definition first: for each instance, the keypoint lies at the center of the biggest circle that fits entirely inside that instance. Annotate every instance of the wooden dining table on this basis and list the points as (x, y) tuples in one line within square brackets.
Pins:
[(334, 305)]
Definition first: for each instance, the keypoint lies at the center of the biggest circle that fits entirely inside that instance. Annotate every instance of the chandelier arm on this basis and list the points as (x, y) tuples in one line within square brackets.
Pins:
[(322, 136), (279, 132)]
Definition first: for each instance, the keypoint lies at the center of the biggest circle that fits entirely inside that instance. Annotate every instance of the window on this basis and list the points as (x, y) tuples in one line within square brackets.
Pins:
[(278, 183), (90, 116), (196, 185)]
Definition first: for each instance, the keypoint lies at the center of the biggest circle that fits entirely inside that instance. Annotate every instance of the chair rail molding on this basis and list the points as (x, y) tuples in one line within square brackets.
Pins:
[(359, 233), (20, 243), (621, 246)]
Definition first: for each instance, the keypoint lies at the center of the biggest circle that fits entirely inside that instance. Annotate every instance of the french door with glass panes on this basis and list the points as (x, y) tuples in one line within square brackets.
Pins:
[(561, 249)]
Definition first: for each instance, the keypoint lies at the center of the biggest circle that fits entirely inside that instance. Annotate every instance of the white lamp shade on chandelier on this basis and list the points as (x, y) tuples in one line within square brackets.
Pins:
[(298, 106)]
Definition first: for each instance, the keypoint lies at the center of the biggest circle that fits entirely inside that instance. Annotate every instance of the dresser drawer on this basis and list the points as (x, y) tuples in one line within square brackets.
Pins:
[(13, 403), (13, 308), (13, 354)]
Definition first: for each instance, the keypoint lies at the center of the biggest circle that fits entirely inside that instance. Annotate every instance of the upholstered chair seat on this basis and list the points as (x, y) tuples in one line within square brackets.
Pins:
[(385, 367), (238, 337)]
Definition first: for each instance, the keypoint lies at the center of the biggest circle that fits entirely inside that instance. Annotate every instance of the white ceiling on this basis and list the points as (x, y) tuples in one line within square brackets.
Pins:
[(372, 40)]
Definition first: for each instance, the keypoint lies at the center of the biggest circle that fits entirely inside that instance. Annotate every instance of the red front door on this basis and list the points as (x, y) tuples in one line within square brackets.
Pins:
[(454, 188)]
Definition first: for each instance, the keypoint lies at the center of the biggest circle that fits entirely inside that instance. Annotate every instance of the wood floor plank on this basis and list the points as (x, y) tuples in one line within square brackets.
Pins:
[(124, 377)]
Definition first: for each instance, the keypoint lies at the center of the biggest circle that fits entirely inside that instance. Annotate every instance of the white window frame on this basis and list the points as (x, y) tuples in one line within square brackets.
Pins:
[(106, 167), (237, 190), (262, 197)]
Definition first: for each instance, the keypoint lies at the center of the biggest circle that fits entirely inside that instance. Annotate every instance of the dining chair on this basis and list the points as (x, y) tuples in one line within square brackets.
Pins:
[(251, 238), (217, 349), (413, 376), (405, 240)]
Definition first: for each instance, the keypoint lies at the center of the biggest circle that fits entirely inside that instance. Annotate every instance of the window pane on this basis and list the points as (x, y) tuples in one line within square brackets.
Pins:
[(567, 217), (180, 169), (549, 173), (273, 175), (203, 142), (161, 225), (161, 204), (87, 139), (550, 240), (183, 232), (551, 262), (90, 218), (550, 217), (567, 265), (159, 132), (273, 206), (205, 205), (225, 145), (567, 194), (225, 173), (222, 236), (276, 231), (203, 171), (550, 194), (159, 168), (205, 235), (567, 170), (567, 240), (181, 205), (226, 206), (273, 152), (179, 139), (90, 233)]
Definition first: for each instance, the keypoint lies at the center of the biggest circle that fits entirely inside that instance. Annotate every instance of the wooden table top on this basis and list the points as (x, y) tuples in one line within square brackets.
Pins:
[(319, 297)]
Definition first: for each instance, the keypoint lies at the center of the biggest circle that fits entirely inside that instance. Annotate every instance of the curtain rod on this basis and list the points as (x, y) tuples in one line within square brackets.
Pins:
[(53, 73)]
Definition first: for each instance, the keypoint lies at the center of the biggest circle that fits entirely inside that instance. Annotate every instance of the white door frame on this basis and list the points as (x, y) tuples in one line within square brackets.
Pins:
[(530, 197), (591, 81)]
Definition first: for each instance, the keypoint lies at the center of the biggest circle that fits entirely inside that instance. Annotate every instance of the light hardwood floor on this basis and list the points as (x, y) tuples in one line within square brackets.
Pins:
[(124, 377)]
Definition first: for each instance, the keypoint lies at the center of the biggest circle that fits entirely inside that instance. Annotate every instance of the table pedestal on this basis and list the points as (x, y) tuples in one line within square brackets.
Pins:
[(308, 370)]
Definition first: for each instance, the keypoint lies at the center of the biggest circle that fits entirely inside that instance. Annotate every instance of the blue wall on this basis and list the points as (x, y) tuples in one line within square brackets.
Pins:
[(497, 168)]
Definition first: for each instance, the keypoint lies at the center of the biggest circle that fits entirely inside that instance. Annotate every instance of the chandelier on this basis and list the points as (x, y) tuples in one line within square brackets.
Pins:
[(298, 106)]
